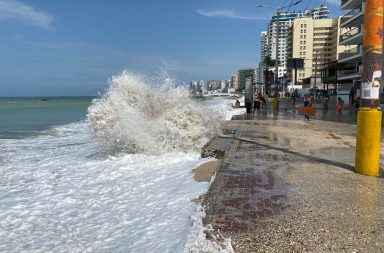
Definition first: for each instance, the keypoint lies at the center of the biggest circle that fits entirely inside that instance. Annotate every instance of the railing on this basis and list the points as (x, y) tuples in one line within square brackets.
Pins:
[(348, 72), (353, 12), (349, 33), (351, 52), (344, 2)]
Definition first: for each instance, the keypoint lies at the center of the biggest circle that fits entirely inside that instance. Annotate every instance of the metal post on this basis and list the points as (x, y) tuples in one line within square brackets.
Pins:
[(369, 115), (314, 85), (277, 50)]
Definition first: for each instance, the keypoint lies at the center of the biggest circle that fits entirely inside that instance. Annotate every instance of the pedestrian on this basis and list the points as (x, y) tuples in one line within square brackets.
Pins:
[(256, 105), (275, 103), (263, 101), (248, 107), (340, 103), (351, 96), (293, 98), (307, 103)]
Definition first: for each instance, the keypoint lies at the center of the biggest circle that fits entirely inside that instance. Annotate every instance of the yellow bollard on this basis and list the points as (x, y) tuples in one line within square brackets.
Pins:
[(368, 140), (275, 104)]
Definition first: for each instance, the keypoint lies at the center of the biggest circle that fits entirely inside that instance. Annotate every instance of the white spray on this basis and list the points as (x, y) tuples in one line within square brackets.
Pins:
[(136, 117)]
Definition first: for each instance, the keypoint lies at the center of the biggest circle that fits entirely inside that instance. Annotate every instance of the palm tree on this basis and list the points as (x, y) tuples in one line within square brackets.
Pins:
[(268, 62)]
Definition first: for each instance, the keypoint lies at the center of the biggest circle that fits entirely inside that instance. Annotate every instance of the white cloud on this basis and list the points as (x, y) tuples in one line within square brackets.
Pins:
[(229, 14), (13, 9)]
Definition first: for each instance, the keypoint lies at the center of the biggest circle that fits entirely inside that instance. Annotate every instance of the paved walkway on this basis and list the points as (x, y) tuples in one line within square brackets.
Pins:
[(286, 185)]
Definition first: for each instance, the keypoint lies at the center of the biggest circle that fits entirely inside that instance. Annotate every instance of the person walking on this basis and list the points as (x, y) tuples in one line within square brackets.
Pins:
[(293, 98), (275, 103), (307, 103), (248, 107), (263, 101), (352, 96), (256, 105), (340, 103)]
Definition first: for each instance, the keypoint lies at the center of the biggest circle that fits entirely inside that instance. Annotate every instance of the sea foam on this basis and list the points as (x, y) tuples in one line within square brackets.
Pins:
[(136, 117)]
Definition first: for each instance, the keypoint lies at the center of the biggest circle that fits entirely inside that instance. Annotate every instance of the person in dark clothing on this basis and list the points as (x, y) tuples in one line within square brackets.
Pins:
[(256, 105), (248, 107), (352, 96), (307, 103)]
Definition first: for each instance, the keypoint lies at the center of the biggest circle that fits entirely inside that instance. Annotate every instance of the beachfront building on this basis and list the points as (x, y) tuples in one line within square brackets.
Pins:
[(319, 12), (285, 21), (202, 86), (316, 41), (234, 83), (261, 68), (350, 61)]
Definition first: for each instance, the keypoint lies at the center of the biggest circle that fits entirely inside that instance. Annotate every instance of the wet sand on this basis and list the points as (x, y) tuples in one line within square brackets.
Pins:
[(206, 171)]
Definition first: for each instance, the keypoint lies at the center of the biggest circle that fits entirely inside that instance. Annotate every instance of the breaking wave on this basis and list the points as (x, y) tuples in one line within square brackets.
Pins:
[(136, 117)]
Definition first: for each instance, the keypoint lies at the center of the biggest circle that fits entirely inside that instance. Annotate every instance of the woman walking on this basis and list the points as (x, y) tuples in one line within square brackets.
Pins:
[(340, 103), (307, 103)]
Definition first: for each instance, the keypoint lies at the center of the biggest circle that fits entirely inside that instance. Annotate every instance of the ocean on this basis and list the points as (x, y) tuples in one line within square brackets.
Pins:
[(106, 174), (22, 116)]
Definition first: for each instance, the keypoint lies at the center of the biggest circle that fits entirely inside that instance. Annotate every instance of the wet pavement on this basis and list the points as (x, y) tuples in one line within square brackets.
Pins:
[(287, 185)]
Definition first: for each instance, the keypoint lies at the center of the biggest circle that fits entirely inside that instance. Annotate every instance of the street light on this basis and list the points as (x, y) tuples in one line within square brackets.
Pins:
[(278, 12)]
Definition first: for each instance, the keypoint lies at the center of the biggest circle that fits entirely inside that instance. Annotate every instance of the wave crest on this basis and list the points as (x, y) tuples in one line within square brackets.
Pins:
[(136, 117)]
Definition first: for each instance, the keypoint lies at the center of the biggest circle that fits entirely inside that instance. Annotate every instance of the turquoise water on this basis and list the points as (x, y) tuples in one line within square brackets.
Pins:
[(27, 115)]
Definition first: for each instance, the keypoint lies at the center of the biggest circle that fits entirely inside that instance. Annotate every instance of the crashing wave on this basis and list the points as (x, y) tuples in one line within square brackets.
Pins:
[(136, 117)]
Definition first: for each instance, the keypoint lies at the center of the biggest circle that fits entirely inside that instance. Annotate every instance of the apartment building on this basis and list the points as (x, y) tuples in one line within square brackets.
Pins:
[(284, 22), (350, 61), (316, 41), (260, 69)]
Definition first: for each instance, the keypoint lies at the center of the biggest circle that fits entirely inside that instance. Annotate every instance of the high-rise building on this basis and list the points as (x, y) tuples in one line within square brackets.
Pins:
[(284, 21), (263, 53), (234, 82), (319, 12), (316, 42), (202, 86)]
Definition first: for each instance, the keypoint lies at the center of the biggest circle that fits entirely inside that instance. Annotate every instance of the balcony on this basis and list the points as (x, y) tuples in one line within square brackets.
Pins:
[(352, 37), (354, 17), (350, 74), (350, 4), (351, 55)]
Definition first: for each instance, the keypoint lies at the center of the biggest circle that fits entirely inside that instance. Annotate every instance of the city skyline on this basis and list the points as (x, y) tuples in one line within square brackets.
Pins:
[(65, 48)]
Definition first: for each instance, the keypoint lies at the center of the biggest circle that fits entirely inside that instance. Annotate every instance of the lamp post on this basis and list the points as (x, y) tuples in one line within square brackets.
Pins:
[(315, 83)]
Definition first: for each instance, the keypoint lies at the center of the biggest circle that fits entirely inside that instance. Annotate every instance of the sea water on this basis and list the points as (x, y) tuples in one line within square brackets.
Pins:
[(111, 175)]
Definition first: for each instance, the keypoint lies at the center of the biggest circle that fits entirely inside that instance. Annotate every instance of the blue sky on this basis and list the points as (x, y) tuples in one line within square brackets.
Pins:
[(72, 47)]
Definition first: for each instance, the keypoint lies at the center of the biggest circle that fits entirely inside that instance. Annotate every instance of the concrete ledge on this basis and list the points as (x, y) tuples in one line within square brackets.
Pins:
[(216, 147)]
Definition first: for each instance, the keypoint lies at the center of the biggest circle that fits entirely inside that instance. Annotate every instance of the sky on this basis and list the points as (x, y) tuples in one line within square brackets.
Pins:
[(73, 47)]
